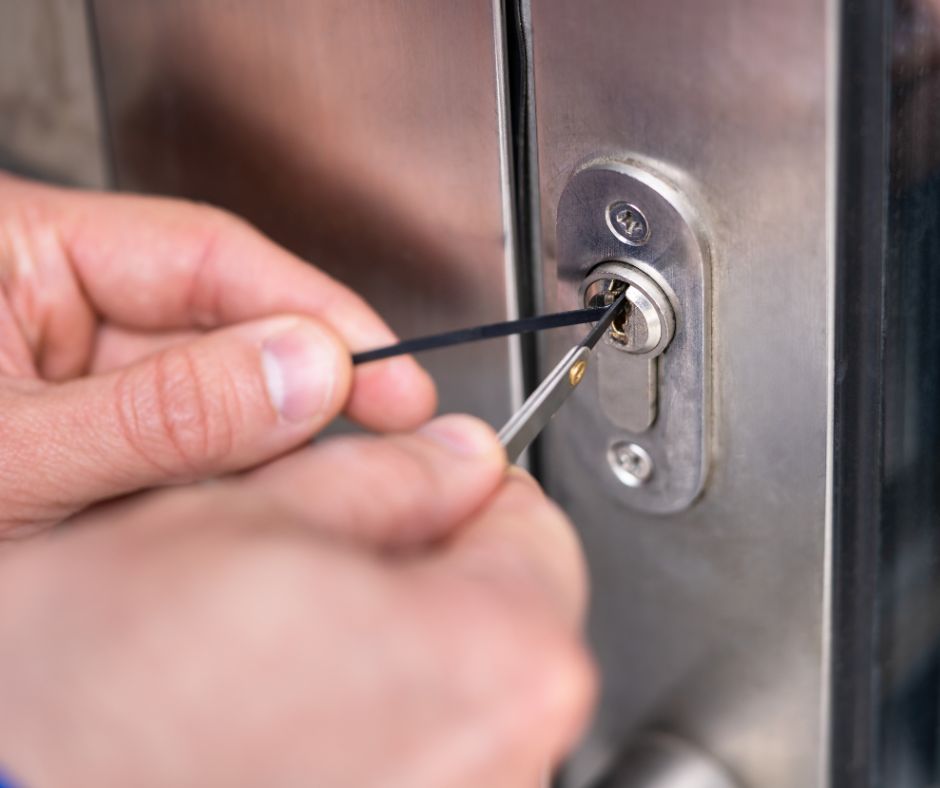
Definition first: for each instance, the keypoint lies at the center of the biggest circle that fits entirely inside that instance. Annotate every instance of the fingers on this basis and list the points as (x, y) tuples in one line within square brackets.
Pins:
[(227, 401), (523, 542), (118, 347), (507, 596), (41, 303), (397, 491), (404, 679), (158, 264)]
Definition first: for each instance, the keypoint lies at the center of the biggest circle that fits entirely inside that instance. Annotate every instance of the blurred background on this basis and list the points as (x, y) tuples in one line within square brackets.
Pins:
[(49, 120)]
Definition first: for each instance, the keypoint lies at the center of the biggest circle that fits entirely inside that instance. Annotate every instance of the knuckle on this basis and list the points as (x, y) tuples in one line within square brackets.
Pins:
[(402, 502), (521, 496), (524, 502), (220, 224), (426, 494), (167, 415), (216, 227), (217, 216), (414, 481), (549, 671), (564, 684), (536, 666)]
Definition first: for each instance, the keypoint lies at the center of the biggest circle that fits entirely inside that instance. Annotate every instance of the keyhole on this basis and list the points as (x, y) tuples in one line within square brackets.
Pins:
[(618, 327)]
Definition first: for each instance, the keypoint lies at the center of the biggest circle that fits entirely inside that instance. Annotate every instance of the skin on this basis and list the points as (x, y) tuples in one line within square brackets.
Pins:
[(132, 330), (187, 597)]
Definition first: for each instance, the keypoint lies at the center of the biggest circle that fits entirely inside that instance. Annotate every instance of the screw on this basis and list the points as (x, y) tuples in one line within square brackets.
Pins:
[(628, 223), (631, 463), (576, 372)]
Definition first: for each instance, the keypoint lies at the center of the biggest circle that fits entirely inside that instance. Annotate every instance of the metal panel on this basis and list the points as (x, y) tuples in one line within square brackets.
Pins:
[(366, 136), (674, 261), (48, 107), (710, 623)]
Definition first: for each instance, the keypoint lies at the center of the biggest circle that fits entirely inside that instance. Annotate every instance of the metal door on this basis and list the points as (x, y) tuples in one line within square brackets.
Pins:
[(367, 137), (769, 624), (720, 608)]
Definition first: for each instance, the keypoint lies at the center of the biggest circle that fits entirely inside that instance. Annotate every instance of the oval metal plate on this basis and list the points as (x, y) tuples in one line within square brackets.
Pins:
[(675, 254)]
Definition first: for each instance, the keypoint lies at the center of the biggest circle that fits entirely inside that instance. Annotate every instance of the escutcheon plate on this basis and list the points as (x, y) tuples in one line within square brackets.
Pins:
[(675, 255)]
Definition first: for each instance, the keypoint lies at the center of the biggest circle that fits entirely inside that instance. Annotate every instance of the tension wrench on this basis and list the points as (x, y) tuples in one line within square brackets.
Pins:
[(544, 402)]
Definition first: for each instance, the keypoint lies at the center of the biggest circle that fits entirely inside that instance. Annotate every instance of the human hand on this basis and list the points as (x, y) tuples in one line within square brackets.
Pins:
[(393, 612), (146, 341)]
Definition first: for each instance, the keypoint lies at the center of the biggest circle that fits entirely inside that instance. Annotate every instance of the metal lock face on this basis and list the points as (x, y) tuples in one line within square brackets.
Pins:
[(628, 379), (620, 225), (646, 326)]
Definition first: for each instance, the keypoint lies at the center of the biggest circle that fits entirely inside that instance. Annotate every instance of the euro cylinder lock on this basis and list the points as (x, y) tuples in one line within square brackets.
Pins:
[(628, 377), (623, 227), (646, 325)]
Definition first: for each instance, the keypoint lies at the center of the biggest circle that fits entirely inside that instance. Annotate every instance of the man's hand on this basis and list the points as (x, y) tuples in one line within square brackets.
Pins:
[(393, 612), (146, 341)]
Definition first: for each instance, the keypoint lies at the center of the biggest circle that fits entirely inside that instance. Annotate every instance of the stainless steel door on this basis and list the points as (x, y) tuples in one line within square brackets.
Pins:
[(710, 622)]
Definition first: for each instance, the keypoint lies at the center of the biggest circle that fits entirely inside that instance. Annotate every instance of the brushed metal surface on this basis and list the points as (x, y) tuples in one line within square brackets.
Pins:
[(709, 623), (49, 125), (657, 760), (676, 263), (365, 136)]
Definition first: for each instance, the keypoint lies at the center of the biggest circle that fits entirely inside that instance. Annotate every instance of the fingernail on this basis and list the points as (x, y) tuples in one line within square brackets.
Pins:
[(462, 435), (300, 366)]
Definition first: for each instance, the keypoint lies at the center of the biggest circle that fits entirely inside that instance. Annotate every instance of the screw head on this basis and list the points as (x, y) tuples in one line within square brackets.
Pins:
[(630, 462), (628, 223), (576, 372)]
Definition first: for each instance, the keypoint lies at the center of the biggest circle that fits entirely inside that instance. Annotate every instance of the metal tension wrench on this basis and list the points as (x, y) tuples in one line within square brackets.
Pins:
[(544, 402)]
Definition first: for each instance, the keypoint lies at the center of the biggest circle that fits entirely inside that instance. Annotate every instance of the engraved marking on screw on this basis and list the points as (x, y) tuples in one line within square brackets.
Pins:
[(628, 223), (577, 372)]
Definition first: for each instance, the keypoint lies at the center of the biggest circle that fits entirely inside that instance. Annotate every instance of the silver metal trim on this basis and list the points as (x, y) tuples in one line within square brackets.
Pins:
[(510, 242), (675, 258)]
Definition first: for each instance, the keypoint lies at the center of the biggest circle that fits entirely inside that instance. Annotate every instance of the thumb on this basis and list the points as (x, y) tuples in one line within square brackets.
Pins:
[(226, 401)]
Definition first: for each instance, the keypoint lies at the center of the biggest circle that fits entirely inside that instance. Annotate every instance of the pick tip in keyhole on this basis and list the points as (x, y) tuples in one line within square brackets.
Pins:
[(618, 326)]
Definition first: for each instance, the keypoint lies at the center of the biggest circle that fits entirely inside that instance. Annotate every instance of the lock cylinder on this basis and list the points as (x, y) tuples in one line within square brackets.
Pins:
[(647, 324)]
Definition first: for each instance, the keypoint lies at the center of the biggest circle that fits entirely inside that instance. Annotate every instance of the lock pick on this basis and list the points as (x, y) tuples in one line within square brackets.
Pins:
[(552, 392), (525, 325), (543, 403)]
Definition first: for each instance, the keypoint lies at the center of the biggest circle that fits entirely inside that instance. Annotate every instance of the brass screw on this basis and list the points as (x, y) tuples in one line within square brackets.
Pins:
[(576, 372)]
